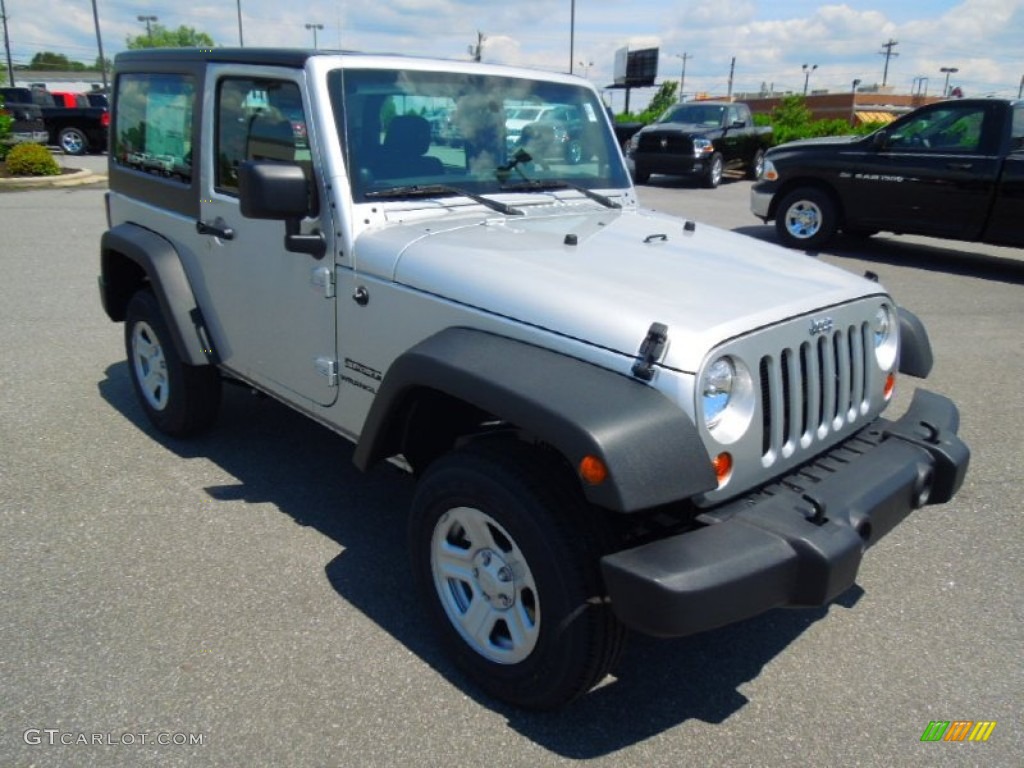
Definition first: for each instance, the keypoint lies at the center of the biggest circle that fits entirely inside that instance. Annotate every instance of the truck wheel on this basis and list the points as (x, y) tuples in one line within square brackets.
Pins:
[(806, 219), (179, 399), (756, 166), (72, 141), (507, 565), (713, 176), (574, 152)]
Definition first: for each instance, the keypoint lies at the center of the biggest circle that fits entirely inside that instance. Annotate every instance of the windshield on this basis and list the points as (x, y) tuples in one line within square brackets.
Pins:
[(405, 129), (695, 114)]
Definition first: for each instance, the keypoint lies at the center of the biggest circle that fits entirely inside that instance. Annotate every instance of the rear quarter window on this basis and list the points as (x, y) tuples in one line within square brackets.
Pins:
[(152, 130)]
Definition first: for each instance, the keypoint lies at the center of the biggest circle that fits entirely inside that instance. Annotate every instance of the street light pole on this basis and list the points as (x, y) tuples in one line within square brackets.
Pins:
[(314, 27), (807, 74), (853, 102), (240, 43), (148, 20), (572, 33), (949, 71), (99, 44)]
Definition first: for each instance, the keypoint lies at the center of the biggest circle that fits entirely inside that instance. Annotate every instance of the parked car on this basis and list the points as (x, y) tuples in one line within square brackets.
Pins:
[(76, 130), (69, 99), (702, 139), (954, 169), (27, 125)]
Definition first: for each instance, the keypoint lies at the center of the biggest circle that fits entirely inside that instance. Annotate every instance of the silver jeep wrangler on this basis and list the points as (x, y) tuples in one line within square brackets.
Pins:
[(617, 419)]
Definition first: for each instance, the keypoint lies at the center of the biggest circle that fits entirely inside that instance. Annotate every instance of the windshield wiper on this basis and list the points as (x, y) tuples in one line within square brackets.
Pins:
[(537, 185), (437, 190)]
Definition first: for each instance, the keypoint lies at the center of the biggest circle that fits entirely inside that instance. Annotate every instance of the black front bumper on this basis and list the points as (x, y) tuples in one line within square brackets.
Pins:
[(798, 542)]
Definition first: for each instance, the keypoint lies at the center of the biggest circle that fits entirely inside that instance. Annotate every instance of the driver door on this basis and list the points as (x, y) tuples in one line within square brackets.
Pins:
[(271, 311)]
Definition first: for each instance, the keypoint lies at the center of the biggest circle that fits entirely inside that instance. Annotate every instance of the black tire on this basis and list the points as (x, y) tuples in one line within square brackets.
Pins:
[(807, 218), (713, 176), (179, 399), (73, 141), (574, 152), (499, 541), (756, 165)]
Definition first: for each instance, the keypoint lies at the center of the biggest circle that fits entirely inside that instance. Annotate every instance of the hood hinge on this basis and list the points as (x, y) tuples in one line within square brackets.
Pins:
[(651, 350)]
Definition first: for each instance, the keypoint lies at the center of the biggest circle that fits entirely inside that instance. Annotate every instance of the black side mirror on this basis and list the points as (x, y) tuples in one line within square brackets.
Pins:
[(279, 191)]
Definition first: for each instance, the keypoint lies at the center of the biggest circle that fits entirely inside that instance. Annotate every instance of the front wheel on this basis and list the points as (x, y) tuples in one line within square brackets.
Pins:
[(179, 399), (807, 218), (508, 567), (713, 175), (73, 141), (756, 166)]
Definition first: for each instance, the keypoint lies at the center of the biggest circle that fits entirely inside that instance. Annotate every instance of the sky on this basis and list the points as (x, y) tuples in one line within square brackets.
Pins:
[(770, 41)]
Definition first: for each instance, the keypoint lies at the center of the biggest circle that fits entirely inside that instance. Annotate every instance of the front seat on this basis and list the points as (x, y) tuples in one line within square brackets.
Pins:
[(403, 153)]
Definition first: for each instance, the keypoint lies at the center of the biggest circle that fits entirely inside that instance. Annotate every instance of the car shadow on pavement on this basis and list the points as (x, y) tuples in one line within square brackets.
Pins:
[(280, 457), (933, 256)]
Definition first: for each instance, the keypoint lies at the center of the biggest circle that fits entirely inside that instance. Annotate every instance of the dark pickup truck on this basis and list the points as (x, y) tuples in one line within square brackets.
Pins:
[(700, 138), (76, 130), (953, 169)]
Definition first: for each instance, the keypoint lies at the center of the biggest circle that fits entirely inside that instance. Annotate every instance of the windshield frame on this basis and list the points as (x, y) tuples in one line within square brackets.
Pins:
[(473, 136)]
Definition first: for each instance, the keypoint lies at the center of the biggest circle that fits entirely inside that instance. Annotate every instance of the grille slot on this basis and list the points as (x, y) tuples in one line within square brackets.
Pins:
[(813, 390)]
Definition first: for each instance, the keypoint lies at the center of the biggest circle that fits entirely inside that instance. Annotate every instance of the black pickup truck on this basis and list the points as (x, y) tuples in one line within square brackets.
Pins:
[(700, 138), (76, 130), (954, 169)]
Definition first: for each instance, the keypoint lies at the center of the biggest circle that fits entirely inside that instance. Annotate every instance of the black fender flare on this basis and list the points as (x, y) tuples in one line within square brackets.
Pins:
[(915, 347), (159, 261), (650, 446)]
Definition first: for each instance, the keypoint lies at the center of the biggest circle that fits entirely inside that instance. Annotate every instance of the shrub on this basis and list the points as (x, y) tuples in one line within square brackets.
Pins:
[(31, 160)]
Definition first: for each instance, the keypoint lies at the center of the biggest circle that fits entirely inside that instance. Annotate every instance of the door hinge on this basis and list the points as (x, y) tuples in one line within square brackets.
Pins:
[(322, 278), (328, 368)]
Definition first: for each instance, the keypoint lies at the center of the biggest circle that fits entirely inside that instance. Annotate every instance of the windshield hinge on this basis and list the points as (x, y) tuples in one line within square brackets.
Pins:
[(328, 368), (323, 279)]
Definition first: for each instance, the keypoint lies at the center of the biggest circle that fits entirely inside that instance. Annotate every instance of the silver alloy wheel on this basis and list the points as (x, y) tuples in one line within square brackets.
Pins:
[(150, 365), (485, 585), (72, 141), (803, 219), (715, 172)]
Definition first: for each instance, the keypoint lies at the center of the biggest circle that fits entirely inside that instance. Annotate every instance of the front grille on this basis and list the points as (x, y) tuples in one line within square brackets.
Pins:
[(674, 143), (810, 391)]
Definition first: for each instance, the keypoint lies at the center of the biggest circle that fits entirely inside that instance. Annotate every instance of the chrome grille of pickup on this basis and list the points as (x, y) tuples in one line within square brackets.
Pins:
[(810, 391)]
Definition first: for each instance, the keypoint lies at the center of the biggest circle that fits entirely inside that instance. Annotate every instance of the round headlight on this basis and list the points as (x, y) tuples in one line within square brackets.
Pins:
[(885, 335), (716, 389)]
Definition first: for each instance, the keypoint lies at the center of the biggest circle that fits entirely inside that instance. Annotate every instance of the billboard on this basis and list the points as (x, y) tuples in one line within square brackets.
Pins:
[(636, 68)]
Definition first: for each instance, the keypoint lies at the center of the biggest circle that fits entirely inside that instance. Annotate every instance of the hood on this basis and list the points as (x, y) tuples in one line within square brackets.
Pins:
[(627, 270), (823, 141), (692, 129)]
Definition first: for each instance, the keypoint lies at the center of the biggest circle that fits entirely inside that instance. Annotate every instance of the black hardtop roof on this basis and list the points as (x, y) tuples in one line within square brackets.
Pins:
[(281, 57)]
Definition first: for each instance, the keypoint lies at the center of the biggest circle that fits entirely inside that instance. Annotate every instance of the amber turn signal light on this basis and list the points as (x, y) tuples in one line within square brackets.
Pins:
[(890, 385), (722, 464), (593, 470)]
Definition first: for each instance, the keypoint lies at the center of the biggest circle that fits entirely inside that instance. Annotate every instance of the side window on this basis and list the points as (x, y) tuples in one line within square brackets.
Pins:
[(1017, 130), (257, 119), (953, 129), (153, 124)]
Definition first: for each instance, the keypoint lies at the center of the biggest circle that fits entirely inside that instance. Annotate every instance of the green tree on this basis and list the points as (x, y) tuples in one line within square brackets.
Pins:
[(663, 99), (160, 36), (55, 62)]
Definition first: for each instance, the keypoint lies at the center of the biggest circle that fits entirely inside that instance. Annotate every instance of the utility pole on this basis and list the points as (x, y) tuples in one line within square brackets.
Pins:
[(476, 51), (732, 71), (99, 44), (7, 43), (1020, 90), (682, 80), (888, 53)]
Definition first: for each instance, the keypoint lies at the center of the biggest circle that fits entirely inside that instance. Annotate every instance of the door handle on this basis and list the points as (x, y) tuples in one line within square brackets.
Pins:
[(218, 228)]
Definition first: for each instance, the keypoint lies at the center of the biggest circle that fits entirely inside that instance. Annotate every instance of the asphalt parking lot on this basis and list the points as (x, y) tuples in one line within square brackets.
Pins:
[(244, 598)]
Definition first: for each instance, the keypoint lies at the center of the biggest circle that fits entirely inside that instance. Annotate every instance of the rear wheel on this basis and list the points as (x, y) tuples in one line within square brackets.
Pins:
[(756, 166), (807, 218), (179, 399), (73, 141), (507, 564)]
